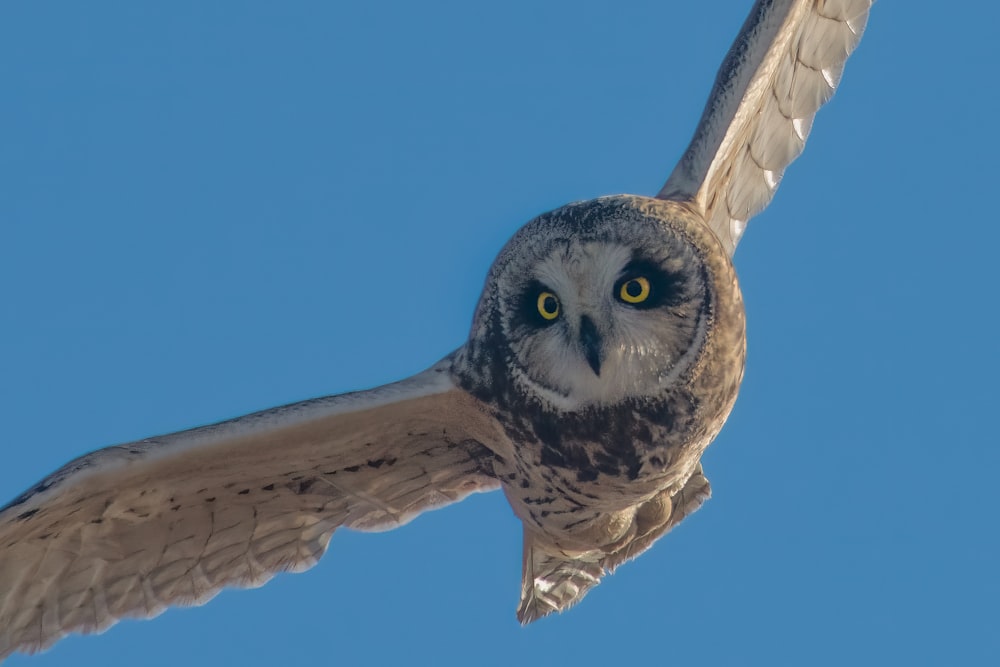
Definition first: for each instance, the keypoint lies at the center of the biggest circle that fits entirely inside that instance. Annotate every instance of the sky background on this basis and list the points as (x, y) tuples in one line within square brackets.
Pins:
[(212, 208)]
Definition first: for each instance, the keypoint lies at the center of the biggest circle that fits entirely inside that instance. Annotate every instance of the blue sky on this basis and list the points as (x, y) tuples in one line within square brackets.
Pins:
[(212, 208)]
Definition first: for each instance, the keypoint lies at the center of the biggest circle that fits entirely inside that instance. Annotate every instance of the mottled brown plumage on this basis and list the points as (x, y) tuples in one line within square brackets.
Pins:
[(593, 471)]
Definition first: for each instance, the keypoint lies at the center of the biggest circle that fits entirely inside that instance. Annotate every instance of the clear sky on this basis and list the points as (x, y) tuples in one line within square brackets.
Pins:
[(212, 208)]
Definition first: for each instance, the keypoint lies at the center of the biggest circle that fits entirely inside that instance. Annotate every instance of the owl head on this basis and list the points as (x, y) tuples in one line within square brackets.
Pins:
[(596, 303)]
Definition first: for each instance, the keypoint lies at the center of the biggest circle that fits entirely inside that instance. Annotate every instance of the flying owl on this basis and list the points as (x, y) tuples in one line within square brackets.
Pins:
[(605, 354)]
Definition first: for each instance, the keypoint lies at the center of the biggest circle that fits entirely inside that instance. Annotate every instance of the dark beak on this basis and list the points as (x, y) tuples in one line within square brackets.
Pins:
[(590, 340)]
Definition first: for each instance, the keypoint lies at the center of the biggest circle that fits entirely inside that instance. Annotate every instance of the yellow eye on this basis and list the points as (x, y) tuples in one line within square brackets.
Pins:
[(635, 290), (548, 305)]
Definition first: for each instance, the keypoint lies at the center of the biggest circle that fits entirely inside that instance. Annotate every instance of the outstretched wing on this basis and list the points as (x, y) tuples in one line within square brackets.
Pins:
[(784, 65), (129, 530)]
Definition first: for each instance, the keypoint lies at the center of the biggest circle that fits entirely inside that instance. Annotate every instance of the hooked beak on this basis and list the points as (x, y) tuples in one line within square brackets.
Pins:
[(590, 341)]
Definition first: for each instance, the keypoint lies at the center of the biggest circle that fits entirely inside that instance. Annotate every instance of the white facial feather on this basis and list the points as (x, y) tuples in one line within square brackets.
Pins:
[(583, 277)]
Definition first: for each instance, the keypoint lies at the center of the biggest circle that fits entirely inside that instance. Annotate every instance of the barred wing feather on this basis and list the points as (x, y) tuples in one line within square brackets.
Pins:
[(129, 530)]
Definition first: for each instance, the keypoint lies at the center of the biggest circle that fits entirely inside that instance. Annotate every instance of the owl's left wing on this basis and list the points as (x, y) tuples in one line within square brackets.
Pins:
[(128, 530), (784, 65)]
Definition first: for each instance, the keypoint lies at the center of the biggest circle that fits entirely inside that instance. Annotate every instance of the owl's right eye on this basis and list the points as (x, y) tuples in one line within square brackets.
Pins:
[(548, 305)]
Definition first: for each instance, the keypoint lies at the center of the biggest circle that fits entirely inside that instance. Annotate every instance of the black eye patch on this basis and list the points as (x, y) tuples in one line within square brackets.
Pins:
[(665, 288), (538, 310)]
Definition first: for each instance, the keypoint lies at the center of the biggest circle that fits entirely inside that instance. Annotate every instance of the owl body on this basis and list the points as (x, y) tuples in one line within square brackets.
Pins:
[(586, 453)]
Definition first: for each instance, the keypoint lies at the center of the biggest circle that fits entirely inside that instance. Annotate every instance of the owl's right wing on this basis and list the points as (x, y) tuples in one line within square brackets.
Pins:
[(784, 65), (129, 530)]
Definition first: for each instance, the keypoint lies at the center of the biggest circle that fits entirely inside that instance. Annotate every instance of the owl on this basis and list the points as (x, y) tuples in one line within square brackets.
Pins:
[(605, 354)]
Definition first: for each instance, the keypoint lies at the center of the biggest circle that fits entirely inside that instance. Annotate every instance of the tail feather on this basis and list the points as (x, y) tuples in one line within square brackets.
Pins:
[(554, 581)]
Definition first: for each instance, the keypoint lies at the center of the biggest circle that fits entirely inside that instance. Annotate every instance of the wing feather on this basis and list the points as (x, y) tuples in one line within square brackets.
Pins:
[(128, 531), (784, 65)]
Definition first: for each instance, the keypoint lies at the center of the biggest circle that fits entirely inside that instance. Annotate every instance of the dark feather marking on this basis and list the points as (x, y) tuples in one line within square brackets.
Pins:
[(570, 499), (304, 486)]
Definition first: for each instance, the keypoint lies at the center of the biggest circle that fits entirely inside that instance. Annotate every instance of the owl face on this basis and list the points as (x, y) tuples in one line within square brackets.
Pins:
[(593, 304)]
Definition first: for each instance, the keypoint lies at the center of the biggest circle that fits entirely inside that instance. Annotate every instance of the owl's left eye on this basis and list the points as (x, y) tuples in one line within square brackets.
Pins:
[(634, 290)]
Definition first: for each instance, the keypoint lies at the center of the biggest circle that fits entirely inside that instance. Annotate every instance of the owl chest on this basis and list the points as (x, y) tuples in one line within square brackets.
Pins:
[(566, 472)]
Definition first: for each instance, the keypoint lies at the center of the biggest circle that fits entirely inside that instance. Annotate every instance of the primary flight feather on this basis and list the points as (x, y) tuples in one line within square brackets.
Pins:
[(605, 354)]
